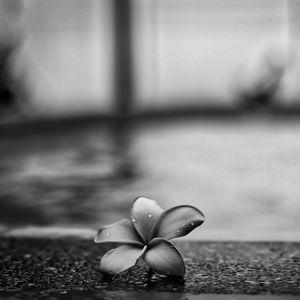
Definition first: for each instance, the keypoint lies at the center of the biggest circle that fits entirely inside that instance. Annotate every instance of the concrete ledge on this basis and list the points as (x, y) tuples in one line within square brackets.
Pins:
[(63, 265), (54, 232)]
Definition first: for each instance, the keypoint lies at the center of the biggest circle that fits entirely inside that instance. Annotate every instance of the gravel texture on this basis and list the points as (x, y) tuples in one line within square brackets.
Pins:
[(64, 265)]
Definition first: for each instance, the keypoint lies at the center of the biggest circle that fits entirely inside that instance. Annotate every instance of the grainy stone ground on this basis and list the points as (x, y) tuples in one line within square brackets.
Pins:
[(63, 265)]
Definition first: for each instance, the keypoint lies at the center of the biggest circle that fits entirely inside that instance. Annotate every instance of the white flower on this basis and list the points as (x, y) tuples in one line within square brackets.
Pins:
[(147, 236)]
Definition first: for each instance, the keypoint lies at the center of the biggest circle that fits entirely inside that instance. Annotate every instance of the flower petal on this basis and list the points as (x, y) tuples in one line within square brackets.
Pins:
[(119, 232), (144, 215), (120, 259), (178, 221), (163, 257)]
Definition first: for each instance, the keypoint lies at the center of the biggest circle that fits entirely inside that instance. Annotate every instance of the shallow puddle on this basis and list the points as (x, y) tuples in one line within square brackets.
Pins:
[(115, 295), (243, 175)]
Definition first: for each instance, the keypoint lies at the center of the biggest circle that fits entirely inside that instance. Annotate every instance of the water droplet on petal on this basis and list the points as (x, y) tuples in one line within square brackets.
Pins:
[(192, 223), (178, 230), (108, 234), (150, 215), (133, 220)]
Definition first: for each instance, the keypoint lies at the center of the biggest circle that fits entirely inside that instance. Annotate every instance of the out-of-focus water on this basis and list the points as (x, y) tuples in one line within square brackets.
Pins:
[(244, 175)]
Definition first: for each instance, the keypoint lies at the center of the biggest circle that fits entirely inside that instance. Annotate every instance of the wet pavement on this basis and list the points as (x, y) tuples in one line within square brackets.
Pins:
[(110, 295), (45, 266)]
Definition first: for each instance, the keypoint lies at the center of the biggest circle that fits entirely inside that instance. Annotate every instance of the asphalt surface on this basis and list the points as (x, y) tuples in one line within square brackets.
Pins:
[(67, 265)]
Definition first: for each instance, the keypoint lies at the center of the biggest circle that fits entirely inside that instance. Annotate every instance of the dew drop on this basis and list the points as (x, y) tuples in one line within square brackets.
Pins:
[(108, 234), (150, 215), (133, 220), (178, 230), (192, 223)]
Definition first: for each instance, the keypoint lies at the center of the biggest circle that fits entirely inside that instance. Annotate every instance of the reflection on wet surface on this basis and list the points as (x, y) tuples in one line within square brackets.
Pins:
[(243, 175), (112, 295), (63, 178)]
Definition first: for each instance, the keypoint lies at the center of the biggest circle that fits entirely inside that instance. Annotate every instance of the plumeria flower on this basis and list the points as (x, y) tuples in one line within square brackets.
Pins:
[(147, 236)]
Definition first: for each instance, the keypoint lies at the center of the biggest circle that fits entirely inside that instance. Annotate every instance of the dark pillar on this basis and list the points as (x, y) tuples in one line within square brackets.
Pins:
[(123, 56)]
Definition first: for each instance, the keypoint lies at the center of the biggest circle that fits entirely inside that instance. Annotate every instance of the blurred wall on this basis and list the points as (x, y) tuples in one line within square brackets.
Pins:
[(290, 91), (194, 51), (67, 55), (191, 52)]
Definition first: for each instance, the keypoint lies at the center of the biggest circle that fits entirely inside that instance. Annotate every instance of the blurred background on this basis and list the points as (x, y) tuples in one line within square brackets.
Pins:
[(184, 101)]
